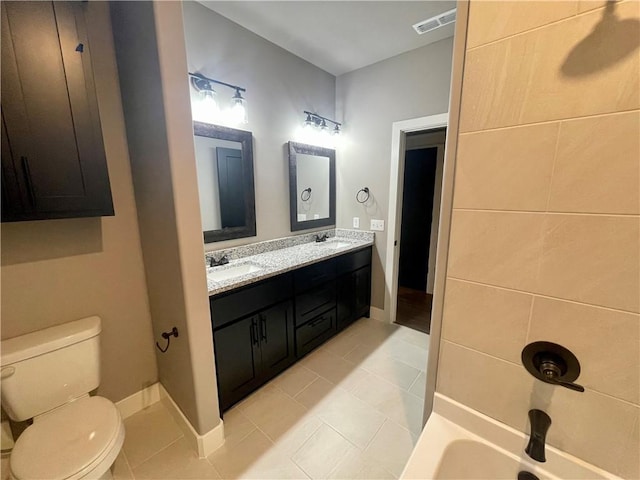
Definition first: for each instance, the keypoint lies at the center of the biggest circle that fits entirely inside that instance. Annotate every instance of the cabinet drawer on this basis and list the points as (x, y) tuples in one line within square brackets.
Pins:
[(353, 261), (230, 306), (315, 332), (313, 275), (311, 302)]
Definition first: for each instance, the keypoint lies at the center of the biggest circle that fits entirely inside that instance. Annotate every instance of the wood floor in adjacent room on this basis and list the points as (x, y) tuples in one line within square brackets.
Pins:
[(414, 309)]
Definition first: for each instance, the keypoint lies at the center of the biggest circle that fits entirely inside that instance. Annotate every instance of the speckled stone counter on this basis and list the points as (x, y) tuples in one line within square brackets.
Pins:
[(274, 257)]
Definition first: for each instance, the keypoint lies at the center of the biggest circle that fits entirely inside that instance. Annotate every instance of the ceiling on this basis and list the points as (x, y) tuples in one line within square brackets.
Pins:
[(338, 36)]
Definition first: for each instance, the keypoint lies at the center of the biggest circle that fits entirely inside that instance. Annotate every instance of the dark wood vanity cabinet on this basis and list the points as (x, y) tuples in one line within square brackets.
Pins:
[(354, 287), (261, 329), (315, 303), (253, 337), (53, 159)]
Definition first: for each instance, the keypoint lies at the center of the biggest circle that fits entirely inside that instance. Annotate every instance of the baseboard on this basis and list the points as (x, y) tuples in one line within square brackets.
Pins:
[(139, 400), (377, 314), (205, 444)]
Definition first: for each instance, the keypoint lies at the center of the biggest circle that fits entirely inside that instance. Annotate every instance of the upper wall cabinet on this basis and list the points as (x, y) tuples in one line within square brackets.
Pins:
[(53, 160)]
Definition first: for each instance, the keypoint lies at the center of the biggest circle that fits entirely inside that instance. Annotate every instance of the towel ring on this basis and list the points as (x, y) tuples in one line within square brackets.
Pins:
[(365, 195), (306, 197)]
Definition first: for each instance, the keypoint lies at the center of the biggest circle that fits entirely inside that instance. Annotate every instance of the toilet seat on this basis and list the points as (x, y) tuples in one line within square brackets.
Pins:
[(79, 439)]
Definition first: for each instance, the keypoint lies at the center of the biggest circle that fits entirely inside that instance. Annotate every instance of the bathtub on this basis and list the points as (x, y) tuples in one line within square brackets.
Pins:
[(460, 443)]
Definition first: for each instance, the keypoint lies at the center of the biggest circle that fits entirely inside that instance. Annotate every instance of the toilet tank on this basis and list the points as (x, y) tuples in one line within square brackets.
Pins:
[(45, 369)]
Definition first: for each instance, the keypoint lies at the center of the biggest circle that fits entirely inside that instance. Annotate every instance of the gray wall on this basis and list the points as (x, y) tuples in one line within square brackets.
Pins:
[(368, 101), (279, 87), (155, 96), (55, 271)]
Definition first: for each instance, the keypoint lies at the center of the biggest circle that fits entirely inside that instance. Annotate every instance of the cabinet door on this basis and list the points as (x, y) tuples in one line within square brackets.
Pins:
[(276, 339), (346, 312), (49, 108), (237, 354), (362, 292)]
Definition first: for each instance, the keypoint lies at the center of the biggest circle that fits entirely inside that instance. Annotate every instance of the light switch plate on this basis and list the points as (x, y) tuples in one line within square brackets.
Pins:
[(356, 222), (377, 225)]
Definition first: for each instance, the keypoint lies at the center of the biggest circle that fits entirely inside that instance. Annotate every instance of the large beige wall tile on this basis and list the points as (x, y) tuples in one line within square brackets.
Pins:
[(495, 82), (492, 386), (584, 66), (592, 259), (507, 169), (629, 463), (572, 68), (586, 5), (588, 332), (497, 248), (494, 20), (594, 427), (597, 167), (492, 320)]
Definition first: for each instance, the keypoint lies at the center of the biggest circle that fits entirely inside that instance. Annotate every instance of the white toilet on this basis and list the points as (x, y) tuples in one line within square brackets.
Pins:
[(47, 375)]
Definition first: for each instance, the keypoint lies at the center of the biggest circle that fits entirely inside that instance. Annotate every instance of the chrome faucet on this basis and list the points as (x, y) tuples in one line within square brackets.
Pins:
[(540, 423), (216, 263)]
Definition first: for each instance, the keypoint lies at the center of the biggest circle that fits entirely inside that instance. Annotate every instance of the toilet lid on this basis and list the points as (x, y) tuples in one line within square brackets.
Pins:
[(67, 440)]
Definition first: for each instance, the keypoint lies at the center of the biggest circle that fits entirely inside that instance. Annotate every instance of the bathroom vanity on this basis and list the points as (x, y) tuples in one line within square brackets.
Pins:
[(277, 305)]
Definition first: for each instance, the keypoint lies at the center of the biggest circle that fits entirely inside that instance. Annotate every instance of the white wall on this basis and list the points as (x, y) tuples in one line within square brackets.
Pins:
[(279, 87), (368, 101)]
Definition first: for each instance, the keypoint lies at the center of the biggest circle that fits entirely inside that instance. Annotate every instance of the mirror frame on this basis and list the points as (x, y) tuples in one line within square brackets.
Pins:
[(301, 148), (245, 138)]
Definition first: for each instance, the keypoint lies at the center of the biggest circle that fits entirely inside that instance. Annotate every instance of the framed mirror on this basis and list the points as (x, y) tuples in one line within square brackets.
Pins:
[(224, 160), (312, 186)]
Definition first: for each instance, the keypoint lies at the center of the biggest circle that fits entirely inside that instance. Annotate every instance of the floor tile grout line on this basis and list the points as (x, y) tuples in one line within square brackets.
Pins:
[(157, 453)]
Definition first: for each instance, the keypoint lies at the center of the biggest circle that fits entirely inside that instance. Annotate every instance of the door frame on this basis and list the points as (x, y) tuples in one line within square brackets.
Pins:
[(396, 184)]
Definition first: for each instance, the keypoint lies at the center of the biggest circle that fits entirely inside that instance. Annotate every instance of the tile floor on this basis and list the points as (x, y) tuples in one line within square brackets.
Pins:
[(350, 410)]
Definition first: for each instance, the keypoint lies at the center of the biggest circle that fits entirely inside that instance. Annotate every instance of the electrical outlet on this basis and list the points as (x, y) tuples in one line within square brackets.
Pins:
[(356, 222), (377, 225)]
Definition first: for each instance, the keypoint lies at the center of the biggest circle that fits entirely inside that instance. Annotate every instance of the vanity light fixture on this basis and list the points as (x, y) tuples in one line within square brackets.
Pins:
[(204, 85), (314, 120)]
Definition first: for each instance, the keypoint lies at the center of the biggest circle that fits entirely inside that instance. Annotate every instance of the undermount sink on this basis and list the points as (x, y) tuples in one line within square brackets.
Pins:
[(335, 244), (218, 275)]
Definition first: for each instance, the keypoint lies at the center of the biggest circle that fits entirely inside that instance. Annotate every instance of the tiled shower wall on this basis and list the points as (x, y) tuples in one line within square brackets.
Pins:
[(545, 238)]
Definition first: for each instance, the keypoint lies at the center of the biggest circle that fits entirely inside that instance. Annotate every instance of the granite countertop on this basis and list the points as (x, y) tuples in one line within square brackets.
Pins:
[(266, 259)]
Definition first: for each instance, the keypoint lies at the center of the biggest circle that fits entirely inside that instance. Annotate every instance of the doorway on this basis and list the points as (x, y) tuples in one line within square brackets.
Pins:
[(401, 138), (422, 186)]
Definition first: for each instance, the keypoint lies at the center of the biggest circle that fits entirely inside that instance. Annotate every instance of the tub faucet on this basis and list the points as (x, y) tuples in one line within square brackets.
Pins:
[(540, 423)]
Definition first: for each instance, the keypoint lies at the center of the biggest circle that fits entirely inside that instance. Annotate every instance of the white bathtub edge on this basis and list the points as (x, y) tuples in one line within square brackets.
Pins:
[(452, 421)]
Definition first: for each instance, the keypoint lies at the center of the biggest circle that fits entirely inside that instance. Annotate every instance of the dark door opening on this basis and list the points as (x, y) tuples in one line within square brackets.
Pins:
[(421, 189)]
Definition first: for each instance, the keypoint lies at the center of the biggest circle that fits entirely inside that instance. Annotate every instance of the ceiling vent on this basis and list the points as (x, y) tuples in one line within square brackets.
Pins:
[(435, 22)]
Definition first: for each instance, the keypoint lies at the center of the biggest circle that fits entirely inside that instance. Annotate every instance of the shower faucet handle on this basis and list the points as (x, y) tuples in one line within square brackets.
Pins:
[(552, 372), (552, 363)]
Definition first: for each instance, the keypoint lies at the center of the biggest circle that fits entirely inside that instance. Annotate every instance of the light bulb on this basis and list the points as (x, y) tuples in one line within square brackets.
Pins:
[(238, 108), (210, 108), (308, 123)]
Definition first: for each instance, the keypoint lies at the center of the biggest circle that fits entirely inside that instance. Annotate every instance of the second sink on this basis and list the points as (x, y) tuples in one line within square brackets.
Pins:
[(220, 274), (334, 244)]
